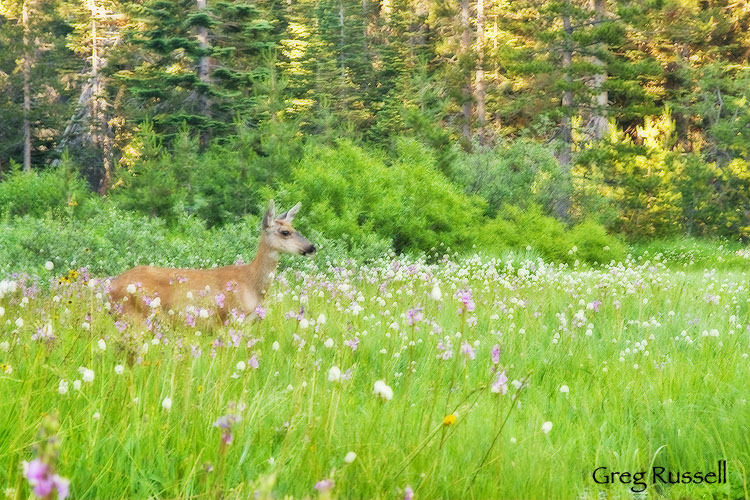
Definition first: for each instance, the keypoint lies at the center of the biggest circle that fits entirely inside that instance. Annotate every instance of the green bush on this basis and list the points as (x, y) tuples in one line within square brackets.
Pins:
[(352, 194), (521, 173), (594, 245), (32, 193), (110, 240), (518, 229), (220, 184)]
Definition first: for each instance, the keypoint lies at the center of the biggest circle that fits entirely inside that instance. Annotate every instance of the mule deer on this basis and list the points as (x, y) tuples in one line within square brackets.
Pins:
[(241, 287)]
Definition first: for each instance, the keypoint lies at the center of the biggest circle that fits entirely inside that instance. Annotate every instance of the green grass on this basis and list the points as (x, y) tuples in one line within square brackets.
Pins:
[(678, 401)]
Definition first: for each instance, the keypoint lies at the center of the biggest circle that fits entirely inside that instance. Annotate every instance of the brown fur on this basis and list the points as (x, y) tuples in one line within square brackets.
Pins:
[(244, 287)]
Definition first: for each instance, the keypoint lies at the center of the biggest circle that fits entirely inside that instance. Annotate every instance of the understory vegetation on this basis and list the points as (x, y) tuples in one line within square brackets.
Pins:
[(196, 207)]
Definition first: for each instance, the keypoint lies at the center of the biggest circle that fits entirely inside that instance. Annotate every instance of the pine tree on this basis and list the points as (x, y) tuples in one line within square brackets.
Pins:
[(179, 76)]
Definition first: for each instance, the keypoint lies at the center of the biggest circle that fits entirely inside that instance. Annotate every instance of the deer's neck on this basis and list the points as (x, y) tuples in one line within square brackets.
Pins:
[(261, 270)]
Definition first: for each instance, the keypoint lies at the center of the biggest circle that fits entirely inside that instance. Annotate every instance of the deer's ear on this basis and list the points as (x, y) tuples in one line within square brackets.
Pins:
[(269, 216), (290, 214)]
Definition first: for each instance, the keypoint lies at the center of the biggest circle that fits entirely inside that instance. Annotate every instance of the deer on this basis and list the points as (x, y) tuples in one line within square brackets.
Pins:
[(143, 289)]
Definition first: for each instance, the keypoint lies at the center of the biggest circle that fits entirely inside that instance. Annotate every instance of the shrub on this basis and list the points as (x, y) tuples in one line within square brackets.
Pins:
[(219, 185), (31, 193), (594, 245), (349, 193), (521, 173), (518, 229)]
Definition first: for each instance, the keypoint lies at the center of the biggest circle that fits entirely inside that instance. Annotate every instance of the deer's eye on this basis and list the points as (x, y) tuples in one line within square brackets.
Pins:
[(285, 233)]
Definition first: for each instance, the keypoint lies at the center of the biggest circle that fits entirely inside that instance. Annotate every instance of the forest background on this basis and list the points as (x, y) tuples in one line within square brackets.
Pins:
[(575, 130)]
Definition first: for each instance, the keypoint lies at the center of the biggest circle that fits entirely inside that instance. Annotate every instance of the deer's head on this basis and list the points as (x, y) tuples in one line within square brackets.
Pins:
[(279, 234)]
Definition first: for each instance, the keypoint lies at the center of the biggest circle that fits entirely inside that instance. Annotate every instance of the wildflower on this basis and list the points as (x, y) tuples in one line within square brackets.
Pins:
[(49, 265), (5, 346), (468, 350), (334, 374), (19, 322), (495, 354), (131, 288), (40, 472), (381, 389), (37, 474), (253, 362), (408, 493), (304, 324), (86, 374), (564, 389), (436, 294), (328, 343), (96, 415), (449, 419), (203, 313), (275, 346), (119, 369), (86, 325), (321, 319), (225, 423), (594, 306), (414, 316), (546, 427), (62, 387), (466, 298), (349, 458), (240, 366), (352, 344), (260, 312), (167, 404), (155, 303), (6, 369), (324, 485), (77, 385), (2, 310), (219, 299), (500, 386), (102, 345)]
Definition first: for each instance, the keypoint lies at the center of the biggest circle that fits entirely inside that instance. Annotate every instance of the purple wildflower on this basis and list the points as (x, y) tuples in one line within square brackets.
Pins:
[(219, 298), (352, 344), (414, 316), (260, 311), (408, 493), (43, 482), (225, 423), (496, 354), (500, 386), (466, 298), (324, 485), (253, 362), (468, 350)]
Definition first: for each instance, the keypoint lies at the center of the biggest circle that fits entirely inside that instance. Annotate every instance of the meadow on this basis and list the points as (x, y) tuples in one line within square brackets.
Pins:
[(474, 377)]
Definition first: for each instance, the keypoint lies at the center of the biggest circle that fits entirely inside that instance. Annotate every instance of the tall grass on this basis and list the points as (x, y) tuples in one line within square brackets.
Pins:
[(655, 362)]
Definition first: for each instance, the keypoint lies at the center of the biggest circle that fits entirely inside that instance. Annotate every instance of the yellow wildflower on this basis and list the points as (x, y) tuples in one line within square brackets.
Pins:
[(449, 419)]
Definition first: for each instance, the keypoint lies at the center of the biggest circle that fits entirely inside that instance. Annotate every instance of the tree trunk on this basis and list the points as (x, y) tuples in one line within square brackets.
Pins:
[(204, 69), (99, 127), (479, 89), (563, 205), (342, 61), (365, 38), (599, 123), (465, 45), (26, 90)]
